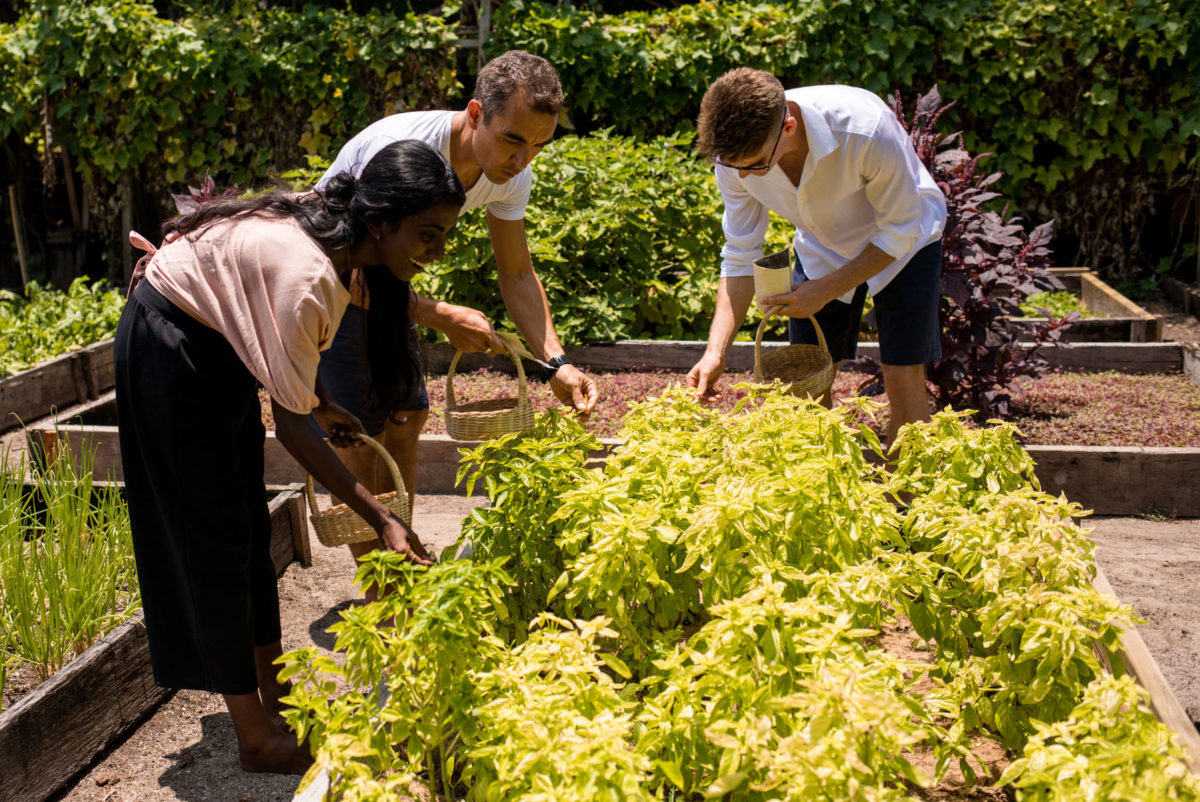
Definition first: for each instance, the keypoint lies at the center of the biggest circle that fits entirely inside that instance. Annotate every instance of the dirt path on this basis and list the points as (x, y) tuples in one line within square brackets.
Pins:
[(1154, 566)]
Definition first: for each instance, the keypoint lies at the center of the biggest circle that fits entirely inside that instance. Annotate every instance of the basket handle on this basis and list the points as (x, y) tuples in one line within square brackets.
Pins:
[(762, 327), (510, 341), (397, 479)]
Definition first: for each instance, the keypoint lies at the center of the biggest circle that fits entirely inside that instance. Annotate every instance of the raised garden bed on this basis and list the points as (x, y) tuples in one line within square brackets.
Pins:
[(56, 729), (1117, 319), (57, 384), (621, 539), (1105, 474)]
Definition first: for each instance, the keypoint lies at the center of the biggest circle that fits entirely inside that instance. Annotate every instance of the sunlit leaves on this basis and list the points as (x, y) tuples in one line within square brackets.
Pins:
[(726, 596), (42, 323)]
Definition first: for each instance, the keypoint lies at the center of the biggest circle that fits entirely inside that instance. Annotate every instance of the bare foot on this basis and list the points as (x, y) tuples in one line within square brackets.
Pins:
[(279, 754), (275, 708)]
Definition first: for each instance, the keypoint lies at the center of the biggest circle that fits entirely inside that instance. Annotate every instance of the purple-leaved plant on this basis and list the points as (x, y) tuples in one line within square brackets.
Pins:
[(989, 266), (207, 191)]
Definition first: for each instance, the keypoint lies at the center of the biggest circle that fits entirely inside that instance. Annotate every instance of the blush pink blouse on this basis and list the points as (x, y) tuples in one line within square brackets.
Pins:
[(268, 288)]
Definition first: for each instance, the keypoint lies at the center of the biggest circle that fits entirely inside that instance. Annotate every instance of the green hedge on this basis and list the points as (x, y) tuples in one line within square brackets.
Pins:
[(130, 92), (1051, 86), (625, 236)]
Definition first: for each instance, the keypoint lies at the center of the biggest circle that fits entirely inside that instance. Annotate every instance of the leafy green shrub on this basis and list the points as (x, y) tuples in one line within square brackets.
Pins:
[(553, 722), (45, 323), (1109, 747), (795, 700), (420, 642), (625, 237), (527, 474), (128, 93), (718, 643), (1021, 65)]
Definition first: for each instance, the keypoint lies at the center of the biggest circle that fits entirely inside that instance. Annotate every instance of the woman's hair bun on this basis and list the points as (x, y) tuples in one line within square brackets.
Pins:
[(340, 189)]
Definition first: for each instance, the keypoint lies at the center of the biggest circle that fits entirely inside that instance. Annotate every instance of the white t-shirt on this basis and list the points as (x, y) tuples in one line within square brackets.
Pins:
[(506, 201), (862, 183), (267, 287)]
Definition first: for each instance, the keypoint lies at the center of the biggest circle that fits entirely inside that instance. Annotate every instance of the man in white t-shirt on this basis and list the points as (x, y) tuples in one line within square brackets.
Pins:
[(835, 162), (490, 145)]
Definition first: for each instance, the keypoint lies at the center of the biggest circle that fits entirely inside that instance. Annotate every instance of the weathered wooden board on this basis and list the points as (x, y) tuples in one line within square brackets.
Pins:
[(60, 726), (56, 729), (1122, 321), (98, 368), (55, 384), (1191, 362), (1183, 295), (1123, 480), (1141, 663), (35, 393)]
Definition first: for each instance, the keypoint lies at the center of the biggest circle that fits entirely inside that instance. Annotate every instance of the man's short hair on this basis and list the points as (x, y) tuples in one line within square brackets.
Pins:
[(518, 71), (739, 112)]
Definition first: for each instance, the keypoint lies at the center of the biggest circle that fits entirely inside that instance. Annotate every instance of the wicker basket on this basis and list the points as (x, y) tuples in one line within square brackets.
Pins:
[(481, 420), (339, 525), (806, 369)]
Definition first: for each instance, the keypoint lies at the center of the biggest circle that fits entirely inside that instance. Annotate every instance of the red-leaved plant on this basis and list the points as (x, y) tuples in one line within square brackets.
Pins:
[(207, 191), (989, 266)]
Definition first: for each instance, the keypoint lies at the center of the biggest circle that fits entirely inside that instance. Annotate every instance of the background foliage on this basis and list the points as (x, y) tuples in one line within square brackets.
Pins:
[(1090, 107), (109, 93)]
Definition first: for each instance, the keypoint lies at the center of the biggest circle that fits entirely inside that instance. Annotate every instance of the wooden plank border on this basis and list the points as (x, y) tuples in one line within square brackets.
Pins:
[(1141, 664), (56, 729), (37, 392), (64, 381), (1125, 321)]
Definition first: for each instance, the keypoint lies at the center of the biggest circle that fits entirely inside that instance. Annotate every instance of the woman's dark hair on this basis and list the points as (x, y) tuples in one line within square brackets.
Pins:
[(402, 179)]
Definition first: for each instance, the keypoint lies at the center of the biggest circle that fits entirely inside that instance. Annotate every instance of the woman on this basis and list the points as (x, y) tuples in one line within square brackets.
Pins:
[(248, 292)]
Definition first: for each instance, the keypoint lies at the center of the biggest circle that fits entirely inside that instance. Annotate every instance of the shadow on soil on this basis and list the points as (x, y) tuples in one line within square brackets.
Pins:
[(317, 629)]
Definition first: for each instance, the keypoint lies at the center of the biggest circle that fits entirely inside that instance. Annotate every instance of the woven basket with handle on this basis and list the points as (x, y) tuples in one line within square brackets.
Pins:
[(481, 420), (806, 369), (339, 525)]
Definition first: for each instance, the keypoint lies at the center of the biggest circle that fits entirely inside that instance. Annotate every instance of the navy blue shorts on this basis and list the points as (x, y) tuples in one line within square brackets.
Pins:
[(343, 371), (906, 311)]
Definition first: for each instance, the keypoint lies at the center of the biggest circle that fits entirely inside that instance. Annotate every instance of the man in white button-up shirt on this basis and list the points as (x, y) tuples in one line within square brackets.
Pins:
[(835, 162)]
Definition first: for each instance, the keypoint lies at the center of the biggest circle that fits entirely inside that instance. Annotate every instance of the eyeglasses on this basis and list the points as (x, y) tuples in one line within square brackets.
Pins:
[(765, 165)]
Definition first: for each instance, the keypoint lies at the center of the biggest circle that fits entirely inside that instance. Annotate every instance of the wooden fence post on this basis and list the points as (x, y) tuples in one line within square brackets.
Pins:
[(16, 221)]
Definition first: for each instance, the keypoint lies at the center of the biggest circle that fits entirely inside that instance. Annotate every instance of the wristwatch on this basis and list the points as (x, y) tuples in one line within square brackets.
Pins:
[(555, 363)]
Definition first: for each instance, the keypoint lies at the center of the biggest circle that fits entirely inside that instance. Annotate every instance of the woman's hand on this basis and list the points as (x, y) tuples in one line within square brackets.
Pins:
[(403, 540), (339, 423)]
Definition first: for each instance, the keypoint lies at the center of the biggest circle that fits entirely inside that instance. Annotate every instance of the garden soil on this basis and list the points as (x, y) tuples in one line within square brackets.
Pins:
[(186, 750)]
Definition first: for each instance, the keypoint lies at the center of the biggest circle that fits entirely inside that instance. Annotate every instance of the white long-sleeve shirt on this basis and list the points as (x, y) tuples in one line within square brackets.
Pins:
[(862, 184)]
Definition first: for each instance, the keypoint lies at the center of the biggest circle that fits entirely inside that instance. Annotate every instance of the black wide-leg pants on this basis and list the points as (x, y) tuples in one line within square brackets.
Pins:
[(191, 438)]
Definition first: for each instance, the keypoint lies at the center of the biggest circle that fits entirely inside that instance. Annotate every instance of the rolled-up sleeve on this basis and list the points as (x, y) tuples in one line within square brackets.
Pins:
[(291, 371), (891, 172), (744, 222)]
